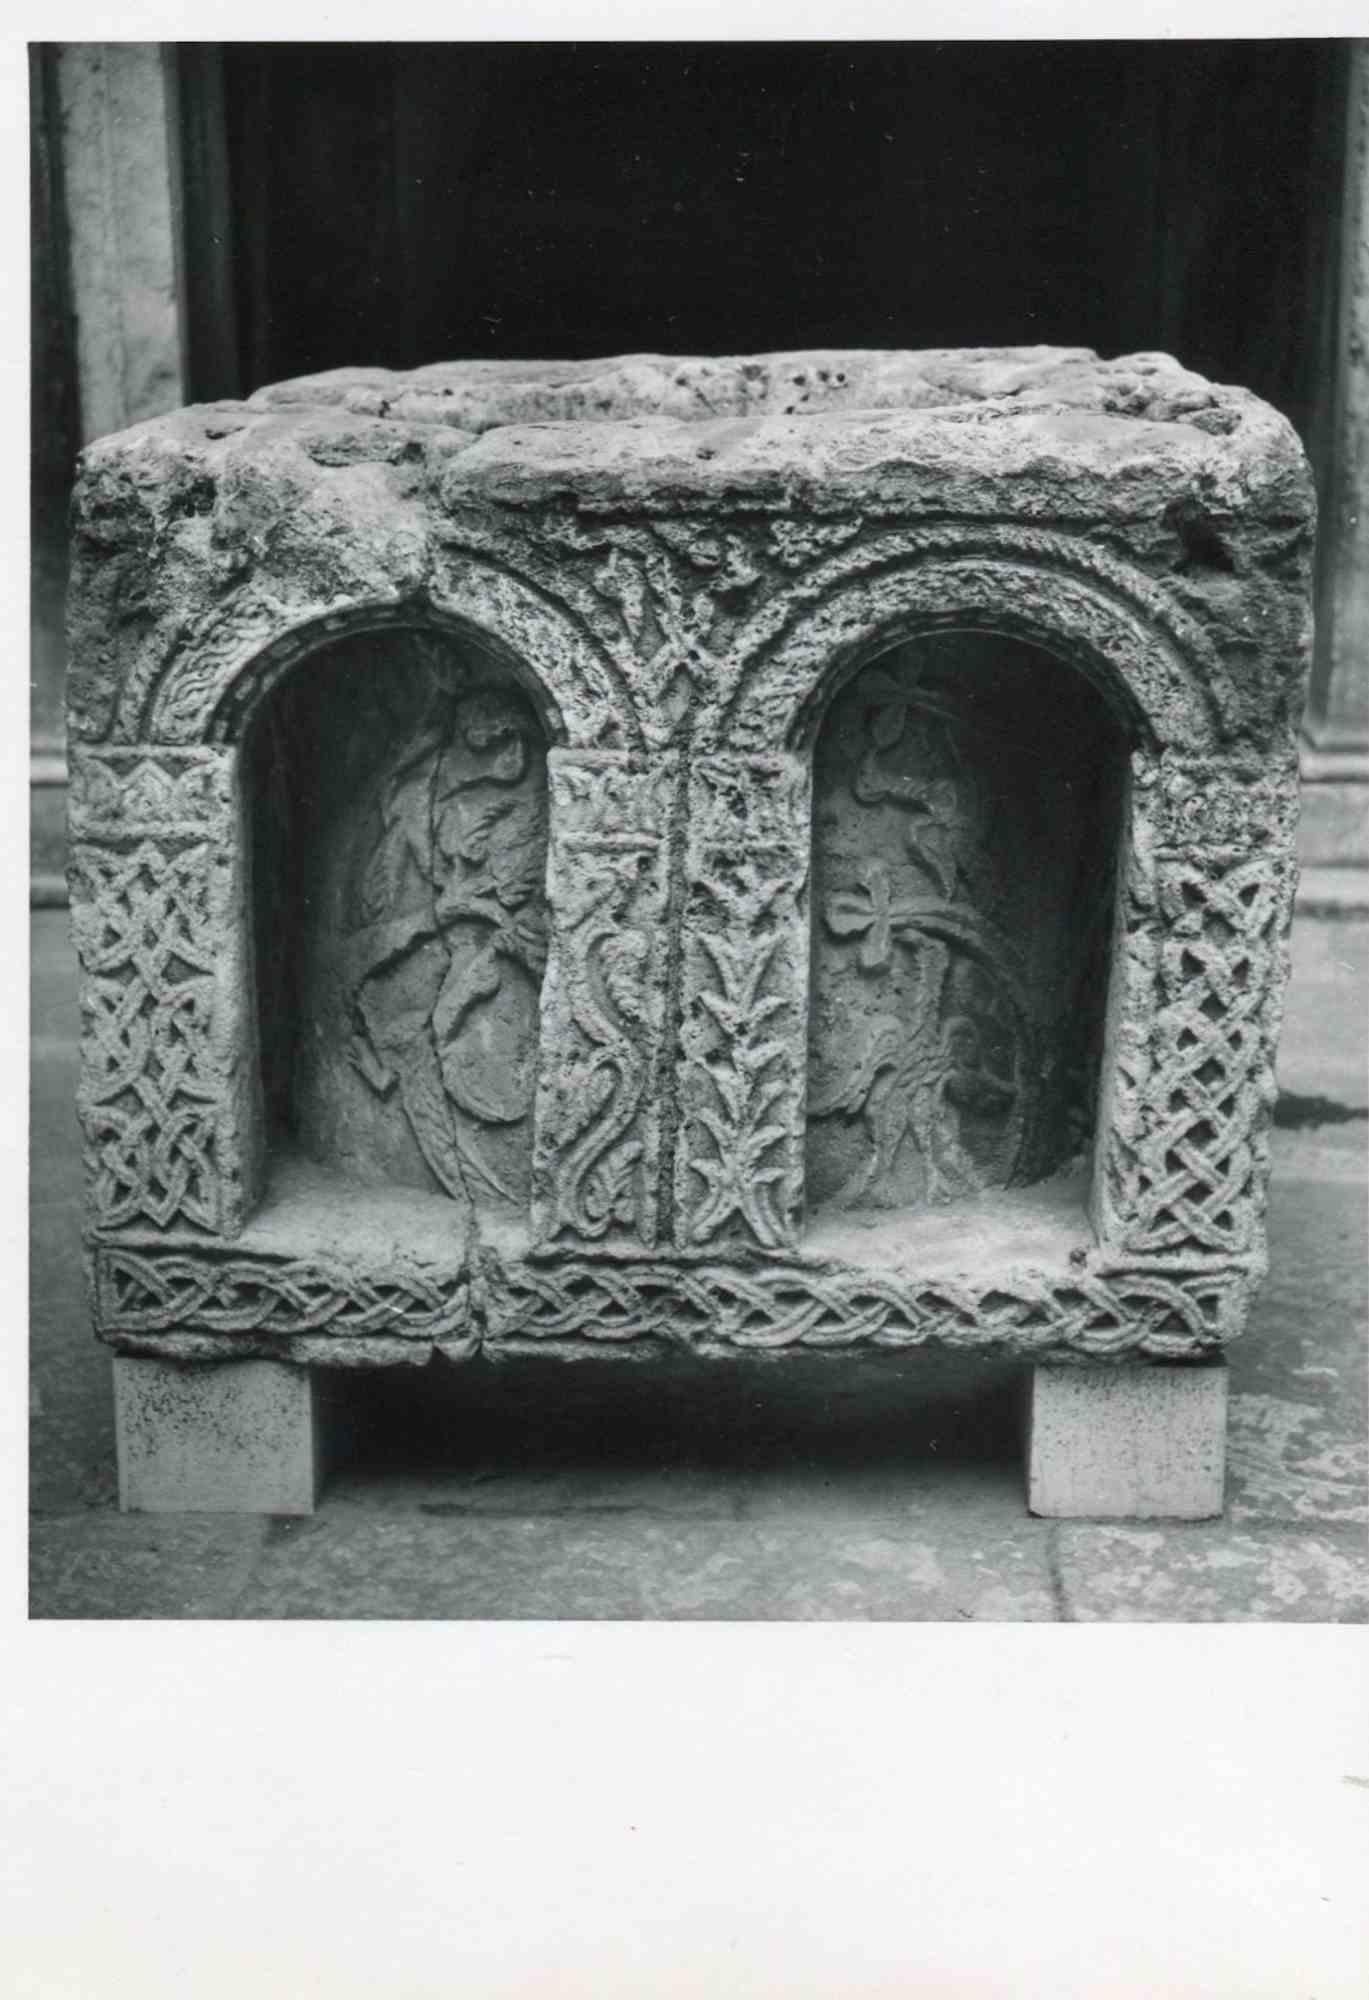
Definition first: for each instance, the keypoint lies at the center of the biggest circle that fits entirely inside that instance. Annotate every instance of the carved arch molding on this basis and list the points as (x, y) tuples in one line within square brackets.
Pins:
[(634, 635)]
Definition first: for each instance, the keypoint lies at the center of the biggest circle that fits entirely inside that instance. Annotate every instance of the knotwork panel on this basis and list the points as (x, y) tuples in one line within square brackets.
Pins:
[(1202, 966), (168, 1089), (720, 1308), (254, 1304), (320, 1310)]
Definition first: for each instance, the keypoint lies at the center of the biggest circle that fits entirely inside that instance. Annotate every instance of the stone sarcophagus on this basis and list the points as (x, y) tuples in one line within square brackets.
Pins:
[(764, 854)]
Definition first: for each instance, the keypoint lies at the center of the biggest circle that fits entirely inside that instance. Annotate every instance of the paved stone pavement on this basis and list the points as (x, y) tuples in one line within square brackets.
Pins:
[(813, 1489)]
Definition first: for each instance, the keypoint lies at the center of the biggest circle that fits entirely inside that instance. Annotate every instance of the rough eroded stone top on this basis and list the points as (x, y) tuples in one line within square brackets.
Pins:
[(489, 395), (917, 430)]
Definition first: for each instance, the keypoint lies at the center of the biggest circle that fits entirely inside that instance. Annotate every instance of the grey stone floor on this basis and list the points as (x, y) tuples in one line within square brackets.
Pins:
[(814, 1490)]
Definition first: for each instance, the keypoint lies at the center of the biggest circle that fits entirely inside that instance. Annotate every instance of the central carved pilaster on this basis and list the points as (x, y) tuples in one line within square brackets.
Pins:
[(743, 1003), (600, 1120)]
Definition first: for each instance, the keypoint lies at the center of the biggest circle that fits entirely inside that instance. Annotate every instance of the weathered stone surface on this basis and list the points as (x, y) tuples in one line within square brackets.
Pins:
[(1256, 1576), (174, 1565), (719, 854)]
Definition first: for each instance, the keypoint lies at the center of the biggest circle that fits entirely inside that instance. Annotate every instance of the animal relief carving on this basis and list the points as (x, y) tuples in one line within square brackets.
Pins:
[(427, 955)]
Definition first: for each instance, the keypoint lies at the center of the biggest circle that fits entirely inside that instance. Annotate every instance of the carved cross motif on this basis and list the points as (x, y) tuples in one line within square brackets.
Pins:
[(962, 1044)]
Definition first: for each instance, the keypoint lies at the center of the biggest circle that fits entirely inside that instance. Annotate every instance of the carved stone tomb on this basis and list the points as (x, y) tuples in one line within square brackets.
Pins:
[(776, 853)]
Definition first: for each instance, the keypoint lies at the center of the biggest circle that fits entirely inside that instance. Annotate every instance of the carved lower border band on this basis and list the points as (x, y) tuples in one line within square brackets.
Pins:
[(147, 1291), (296, 1309), (720, 1307)]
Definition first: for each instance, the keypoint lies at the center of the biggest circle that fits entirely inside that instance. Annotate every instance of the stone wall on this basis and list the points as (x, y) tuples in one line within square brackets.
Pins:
[(107, 323), (1336, 766)]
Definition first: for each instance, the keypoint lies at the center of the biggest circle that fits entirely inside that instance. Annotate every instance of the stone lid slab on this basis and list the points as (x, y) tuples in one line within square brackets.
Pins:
[(1034, 432), (481, 396)]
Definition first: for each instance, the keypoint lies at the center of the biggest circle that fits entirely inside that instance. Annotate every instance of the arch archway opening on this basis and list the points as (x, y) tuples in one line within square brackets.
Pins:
[(398, 799), (967, 810)]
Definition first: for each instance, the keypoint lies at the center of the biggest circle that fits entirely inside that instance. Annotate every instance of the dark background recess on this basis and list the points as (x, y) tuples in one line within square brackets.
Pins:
[(398, 203), (403, 203)]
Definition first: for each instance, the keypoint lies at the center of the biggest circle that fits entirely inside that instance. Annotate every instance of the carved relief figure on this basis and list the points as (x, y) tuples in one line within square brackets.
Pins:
[(426, 940), (956, 933)]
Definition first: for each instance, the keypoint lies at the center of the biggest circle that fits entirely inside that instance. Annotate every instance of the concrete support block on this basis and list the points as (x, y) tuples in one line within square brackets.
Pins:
[(216, 1437), (1127, 1443)]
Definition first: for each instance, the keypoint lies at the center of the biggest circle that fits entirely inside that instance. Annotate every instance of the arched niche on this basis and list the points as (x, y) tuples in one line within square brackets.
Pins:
[(398, 797), (967, 803)]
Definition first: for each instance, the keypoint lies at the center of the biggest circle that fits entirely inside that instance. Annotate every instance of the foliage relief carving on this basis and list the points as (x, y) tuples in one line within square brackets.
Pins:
[(741, 1072)]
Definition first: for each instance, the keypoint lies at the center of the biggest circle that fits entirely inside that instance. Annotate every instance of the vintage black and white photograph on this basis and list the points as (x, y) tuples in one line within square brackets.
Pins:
[(700, 831), (698, 920)]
